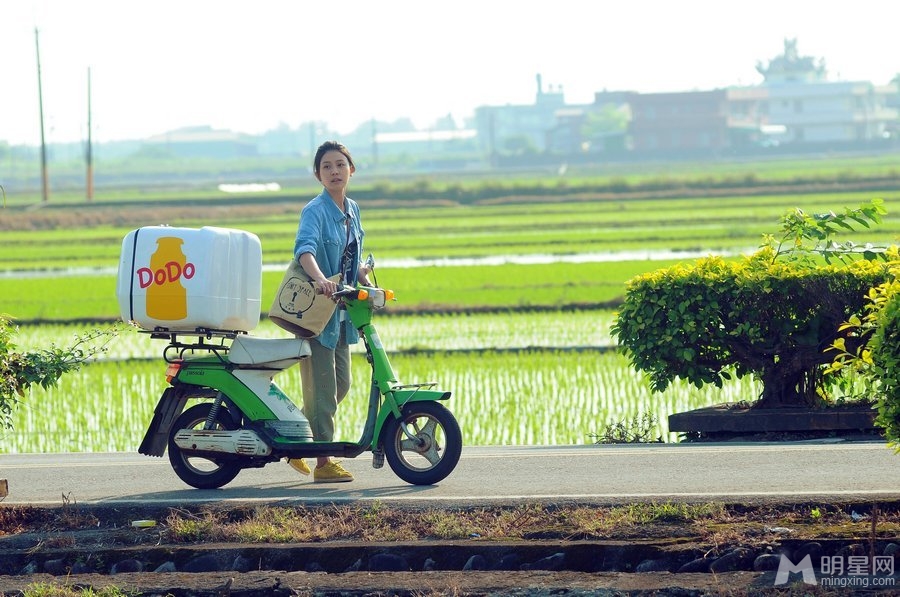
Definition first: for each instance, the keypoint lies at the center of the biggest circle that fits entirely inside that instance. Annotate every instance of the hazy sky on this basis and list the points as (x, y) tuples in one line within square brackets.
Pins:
[(251, 65)]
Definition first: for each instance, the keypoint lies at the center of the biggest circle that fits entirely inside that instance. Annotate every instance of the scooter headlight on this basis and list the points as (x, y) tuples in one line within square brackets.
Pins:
[(378, 298)]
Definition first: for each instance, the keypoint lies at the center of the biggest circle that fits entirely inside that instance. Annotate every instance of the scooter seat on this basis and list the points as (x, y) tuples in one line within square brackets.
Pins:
[(268, 352)]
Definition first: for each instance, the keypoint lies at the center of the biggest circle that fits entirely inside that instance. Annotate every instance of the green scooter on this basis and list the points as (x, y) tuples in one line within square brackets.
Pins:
[(223, 411)]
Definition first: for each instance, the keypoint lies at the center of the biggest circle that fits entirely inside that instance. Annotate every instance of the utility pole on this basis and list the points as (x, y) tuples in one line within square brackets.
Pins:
[(374, 143), (44, 180), (89, 155)]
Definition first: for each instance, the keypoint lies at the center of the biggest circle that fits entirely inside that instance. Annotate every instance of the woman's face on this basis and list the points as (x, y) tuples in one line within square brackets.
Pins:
[(334, 172)]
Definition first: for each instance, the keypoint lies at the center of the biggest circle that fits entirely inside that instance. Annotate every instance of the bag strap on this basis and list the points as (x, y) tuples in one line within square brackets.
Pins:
[(345, 258)]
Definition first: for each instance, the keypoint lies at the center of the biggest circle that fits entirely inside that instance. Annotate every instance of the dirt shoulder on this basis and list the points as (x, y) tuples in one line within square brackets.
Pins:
[(633, 549)]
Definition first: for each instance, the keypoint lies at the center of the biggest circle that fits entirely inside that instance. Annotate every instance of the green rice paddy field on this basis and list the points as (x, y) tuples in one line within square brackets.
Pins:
[(506, 304)]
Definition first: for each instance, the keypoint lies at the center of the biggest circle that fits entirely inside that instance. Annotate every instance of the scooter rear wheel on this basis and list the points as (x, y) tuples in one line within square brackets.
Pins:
[(434, 452), (201, 472)]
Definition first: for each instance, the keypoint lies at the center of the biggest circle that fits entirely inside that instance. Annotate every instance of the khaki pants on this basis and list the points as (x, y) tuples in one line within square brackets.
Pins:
[(326, 381)]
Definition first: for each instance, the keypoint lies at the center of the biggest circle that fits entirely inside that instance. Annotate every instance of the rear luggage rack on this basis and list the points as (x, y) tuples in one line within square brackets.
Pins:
[(203, 339), (160, 333)]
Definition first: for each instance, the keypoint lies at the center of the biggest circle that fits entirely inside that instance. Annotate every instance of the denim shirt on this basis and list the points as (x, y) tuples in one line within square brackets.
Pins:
[(323, 232)]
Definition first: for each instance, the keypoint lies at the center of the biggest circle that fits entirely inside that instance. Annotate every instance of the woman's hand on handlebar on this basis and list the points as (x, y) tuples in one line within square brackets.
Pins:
[(327, 287), (333, 290)]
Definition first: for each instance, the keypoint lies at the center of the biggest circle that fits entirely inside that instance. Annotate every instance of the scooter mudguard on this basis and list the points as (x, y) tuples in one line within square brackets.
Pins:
[(169, 407), (405, 396)]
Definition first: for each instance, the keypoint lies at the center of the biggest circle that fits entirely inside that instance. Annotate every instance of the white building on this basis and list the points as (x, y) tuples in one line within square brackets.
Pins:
[(799, 105)]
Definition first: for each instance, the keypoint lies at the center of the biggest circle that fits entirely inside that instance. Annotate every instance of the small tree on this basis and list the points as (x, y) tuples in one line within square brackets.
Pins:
[(772, 315), (20, 370)]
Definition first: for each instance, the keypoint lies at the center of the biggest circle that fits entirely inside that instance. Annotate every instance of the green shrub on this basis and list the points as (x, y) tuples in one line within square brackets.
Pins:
[(873, 359), (704, 322), (20, 370), (772, 315), (885, 353)]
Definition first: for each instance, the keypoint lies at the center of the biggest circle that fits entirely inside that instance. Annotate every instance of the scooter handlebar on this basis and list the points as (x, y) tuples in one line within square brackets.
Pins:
[(378, 295), (342, 290)]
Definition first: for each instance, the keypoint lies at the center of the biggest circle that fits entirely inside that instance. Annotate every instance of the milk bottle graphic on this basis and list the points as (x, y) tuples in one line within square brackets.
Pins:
[(166, 295)]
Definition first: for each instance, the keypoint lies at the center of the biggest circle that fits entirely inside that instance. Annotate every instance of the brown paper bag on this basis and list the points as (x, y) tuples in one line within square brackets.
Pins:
[(297, 308)]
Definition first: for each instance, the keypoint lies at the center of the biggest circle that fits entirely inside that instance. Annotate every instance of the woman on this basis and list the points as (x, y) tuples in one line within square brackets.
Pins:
[(329, 241)]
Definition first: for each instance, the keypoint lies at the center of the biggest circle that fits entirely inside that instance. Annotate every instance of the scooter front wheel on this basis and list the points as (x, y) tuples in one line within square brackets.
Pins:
[(202, 472), (433, 451)]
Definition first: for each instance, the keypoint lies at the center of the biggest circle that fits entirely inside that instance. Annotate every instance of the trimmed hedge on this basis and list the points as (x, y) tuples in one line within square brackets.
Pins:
[(706, 321)]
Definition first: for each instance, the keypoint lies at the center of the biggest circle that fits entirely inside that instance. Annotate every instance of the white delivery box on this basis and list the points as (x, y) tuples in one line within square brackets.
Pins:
[(185, 279)]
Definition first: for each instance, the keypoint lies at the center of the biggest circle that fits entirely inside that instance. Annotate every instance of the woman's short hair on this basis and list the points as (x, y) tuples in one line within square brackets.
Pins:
[(330, 146)]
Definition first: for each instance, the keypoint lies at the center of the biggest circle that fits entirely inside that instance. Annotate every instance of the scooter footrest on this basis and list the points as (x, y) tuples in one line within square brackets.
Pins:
[(298, 431), (314, 449)]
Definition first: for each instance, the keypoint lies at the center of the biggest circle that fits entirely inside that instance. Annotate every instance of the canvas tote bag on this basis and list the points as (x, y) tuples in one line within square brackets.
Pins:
[(297, 308)]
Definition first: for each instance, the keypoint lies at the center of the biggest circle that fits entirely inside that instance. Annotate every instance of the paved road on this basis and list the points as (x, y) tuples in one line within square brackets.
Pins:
[(584, 474)]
